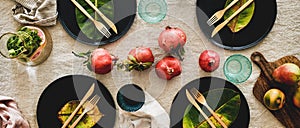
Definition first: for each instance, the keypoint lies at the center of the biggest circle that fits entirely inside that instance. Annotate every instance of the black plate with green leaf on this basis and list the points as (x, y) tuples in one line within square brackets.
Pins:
[(121, 12), (209, 84), (261, 23), (69, 88)]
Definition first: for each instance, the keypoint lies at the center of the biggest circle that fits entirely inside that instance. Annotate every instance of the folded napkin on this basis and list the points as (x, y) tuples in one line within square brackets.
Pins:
[(151, 115), (36, 12), (10, 116)]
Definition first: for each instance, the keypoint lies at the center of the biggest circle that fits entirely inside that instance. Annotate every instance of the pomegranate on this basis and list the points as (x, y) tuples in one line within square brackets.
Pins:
[(142, 54), (172, 40), (100, 60), (287, 73), (168, 67), (209, 60), (139, 58)]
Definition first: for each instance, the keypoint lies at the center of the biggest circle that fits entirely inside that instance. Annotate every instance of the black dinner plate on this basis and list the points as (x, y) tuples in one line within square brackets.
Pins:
[(260, 25), (73, 87), (204, 84), (124, 14)]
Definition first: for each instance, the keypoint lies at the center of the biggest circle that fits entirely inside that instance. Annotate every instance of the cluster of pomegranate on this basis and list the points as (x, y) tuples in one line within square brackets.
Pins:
[(171, 40)]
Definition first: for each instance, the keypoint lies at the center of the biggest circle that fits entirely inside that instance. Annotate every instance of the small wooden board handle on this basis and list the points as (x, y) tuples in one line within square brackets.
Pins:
[(264, 65)]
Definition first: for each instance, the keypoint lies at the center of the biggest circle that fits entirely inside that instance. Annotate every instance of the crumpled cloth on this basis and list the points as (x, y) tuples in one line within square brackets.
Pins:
[(10, 116), (35, 12), (151, 115)]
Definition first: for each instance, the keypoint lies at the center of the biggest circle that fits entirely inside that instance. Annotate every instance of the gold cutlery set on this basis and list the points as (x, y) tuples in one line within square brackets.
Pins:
[(101, 28), (212, 20), (89, 105), (197, 96), (219, 14)]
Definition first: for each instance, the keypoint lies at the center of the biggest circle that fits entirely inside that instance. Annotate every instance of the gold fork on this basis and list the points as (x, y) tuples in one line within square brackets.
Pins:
[(89, 105), (98, 24), (218, 15), (110, 23), (201, 99), (220, 26), (194, 103)]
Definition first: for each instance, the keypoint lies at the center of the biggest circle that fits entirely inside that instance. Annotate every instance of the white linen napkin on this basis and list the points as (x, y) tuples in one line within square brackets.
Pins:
[(36, 12), (151, 115), (10, 116)]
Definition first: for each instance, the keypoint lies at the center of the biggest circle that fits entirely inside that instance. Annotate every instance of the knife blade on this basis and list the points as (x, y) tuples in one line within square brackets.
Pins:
[(193, 102), (82, 101), (220, 26)]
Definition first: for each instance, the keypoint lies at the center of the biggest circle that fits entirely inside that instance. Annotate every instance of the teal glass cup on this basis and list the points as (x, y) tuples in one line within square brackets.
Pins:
[(152, 11), (237, 68)]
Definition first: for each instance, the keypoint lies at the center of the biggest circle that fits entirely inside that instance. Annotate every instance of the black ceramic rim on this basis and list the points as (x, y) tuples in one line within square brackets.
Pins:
[(204, 84), (124, 15), (73, 87), (260, 25)]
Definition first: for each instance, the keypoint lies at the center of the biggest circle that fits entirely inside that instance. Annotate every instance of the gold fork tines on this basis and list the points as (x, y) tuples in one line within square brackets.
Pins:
[(109, 22), (89, 105), (98, 24), (220, 26), (194, 103), (219, 14), (201, 99)]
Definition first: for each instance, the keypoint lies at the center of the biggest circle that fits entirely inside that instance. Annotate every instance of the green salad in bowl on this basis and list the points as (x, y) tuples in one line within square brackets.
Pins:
[(30, 45)]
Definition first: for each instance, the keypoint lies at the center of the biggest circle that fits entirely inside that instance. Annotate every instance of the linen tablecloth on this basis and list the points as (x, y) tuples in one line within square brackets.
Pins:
[(26, 84)]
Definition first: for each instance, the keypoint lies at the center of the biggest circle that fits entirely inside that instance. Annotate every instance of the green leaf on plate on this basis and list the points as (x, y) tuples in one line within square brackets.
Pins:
[(86, 26), (242, 19), (88, 121), (226, 103)]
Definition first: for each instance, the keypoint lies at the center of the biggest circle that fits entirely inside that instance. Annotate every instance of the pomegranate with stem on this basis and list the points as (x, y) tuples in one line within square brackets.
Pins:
[(168, 67), (99, 61), (209, 60), (139, 58), (172, 40)]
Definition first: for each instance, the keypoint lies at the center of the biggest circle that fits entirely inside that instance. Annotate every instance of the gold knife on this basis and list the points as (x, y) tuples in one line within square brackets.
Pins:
[(220, 26), (193, 102), (85, 97), (110, 23)]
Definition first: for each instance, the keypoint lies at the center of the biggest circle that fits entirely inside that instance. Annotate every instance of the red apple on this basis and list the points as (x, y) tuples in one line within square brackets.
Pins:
[(287, 73), (296, 98)]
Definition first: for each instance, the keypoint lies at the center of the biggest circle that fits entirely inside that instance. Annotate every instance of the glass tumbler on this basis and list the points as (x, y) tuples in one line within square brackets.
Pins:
[(152, 11), (18, 45), (237, 68)]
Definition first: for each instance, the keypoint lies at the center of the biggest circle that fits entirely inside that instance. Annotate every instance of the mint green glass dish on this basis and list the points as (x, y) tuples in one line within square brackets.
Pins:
[(237, 68), (152, 11)]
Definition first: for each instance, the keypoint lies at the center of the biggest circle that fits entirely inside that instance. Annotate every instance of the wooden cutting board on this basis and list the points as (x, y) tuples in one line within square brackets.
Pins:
[(289, 115)]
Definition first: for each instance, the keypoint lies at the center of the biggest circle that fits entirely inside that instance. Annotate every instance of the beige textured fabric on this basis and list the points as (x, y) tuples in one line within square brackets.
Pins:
[(26, 84), (151, 115), (10, 116), (36, 12)]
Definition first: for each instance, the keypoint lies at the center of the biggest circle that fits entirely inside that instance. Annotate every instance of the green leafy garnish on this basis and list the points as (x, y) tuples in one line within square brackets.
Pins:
[(242, 19), (86, 26), (25, 42), (227, 104)]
